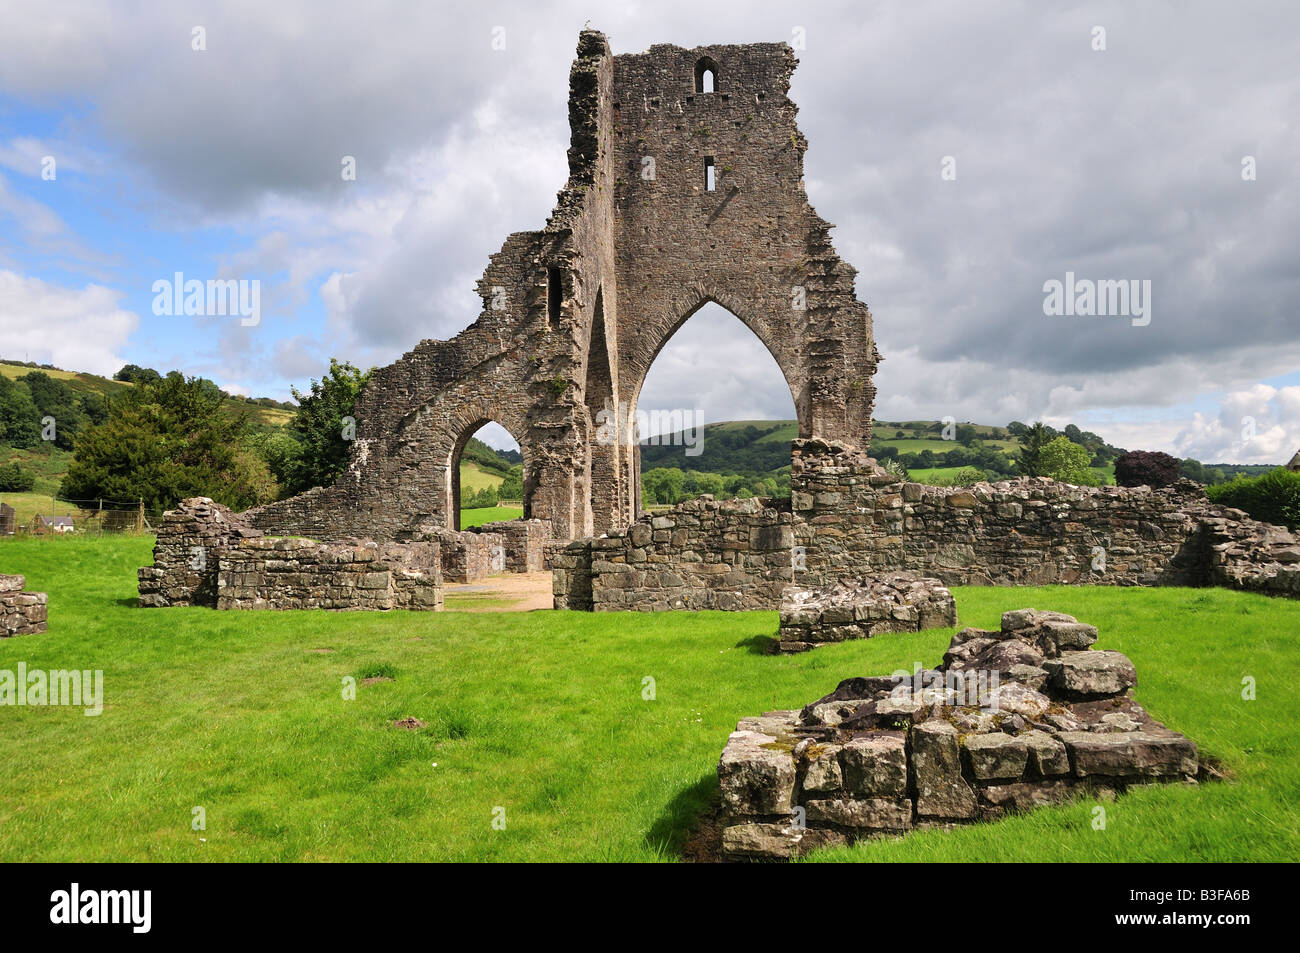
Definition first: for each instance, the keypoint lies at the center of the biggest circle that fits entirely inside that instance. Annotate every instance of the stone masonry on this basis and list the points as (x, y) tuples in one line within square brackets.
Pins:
[(190, 541), (21, 613), (705, 554), (575, 313), (848, 518), (306, 574), (205, 555), (1012, 719), (861, 608)]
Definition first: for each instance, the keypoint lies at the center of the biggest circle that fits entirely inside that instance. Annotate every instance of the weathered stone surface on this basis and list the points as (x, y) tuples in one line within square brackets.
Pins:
[(766, 841), (887, 754), (21, 613), (1091, 673), (996, 756), (862, 607), (1133, 754), (872, 814), (756, 775), (941, 792), (875, 764), (1047, 755), (823, 767), (205, 555)]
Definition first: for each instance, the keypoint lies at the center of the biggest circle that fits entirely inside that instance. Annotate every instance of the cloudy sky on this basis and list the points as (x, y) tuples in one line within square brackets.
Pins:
[(967, 152)]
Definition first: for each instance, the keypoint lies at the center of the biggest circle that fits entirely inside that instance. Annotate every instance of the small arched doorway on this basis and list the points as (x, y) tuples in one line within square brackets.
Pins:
[(487, 473)]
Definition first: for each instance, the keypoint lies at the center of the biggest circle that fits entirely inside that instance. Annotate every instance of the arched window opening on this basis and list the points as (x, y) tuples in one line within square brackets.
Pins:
[(487, 477), (706, 75), (714, 415)]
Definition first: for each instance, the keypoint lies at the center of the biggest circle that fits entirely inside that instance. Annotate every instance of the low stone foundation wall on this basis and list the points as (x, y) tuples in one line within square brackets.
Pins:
[(524, 542), (206, 555), (849, 518), (306, 574), (1013, 719), (854, 517), (703, 554), (190, 541), (468, 556), (571, 574), (861, 608), (21, 613)]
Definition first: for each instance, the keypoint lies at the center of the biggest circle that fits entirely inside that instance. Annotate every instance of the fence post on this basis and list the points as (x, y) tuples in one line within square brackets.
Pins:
[(99, 517), (139, 517)]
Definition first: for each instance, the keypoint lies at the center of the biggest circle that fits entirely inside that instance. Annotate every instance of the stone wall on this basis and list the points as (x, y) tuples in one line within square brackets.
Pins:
[(1013, 719), (524, 541), (305, 574), (205, 555), (469, 556), (849, 518), (21, 613), (852, 517), (859, 608), (191, 539), (571, 574), (703, 554)]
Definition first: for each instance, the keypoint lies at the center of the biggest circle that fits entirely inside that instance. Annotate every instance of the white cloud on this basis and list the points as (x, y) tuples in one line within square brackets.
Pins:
[(81, 330)]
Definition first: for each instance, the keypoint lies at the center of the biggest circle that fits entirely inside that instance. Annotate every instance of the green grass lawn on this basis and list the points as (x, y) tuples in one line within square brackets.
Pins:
[(477, 516), (542, 714)]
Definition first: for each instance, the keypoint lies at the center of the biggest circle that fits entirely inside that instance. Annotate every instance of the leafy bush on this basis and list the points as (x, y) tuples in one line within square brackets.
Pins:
[(1273, 497), (1147, 468)]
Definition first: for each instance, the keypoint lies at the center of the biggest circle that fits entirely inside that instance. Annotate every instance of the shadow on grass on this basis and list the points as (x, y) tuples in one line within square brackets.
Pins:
[(759, 644), (131, 602), (689, 828)]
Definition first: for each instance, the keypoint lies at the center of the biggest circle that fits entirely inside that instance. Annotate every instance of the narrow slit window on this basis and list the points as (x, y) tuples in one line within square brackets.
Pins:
[(554, 293), (710, 175)]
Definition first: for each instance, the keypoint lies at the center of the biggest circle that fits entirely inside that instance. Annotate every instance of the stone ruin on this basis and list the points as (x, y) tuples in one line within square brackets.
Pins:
[(1013, 719), (862, 607), (682, 192), (678, 195), (848, 518), (207, 555), (21, 613)]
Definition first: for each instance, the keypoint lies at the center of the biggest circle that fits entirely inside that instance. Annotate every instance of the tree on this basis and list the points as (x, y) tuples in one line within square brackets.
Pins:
[(1193, 469), (1032, 442), (55, 399), (1272, 497), (164, 442), (318, 426), (512, 487), (1147, 468), (135, 374), (20, 422), (662, 485), (966, 434), (1064, 460), (14, 479)]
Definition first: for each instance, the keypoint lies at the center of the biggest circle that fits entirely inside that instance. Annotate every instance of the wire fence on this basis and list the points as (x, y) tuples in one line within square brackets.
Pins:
[(62, 517)]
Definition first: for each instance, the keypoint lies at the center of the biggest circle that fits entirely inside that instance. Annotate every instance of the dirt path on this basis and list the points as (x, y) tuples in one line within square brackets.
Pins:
[(511, 592)]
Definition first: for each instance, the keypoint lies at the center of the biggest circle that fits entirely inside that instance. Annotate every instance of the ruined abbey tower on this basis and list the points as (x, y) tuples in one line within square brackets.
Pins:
[(685, 186)]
